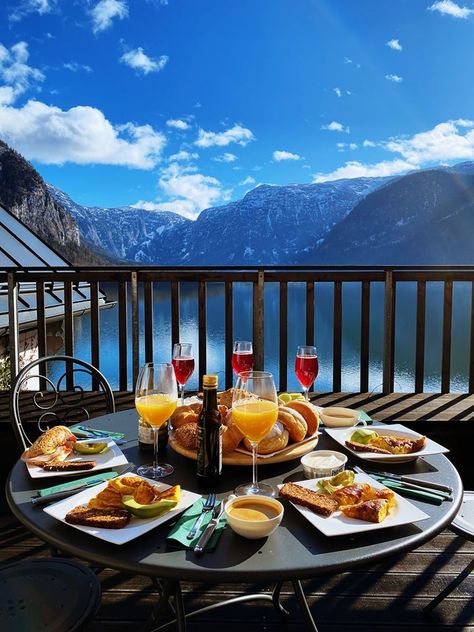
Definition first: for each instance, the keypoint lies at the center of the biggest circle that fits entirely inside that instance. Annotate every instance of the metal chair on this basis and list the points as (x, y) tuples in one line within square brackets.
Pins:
[(51, 594), (58, 401), (462, 525)]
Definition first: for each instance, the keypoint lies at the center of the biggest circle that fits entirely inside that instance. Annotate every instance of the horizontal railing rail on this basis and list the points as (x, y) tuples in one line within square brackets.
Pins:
[(135, 301)]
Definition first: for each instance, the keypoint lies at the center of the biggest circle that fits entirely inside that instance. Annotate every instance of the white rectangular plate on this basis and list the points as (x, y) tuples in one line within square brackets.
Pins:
[(430, 447), (339, 524), (108, 459), (136, 526)]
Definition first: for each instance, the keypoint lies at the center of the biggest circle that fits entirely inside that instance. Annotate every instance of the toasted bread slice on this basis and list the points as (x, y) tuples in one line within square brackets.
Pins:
[(101, 518), (324, 505), (365, 447), (69, 466), (369, 511)]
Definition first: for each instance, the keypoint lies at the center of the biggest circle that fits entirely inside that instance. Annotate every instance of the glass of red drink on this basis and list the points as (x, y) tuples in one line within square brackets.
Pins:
[(242, 357), (183, 364), (306, 367)]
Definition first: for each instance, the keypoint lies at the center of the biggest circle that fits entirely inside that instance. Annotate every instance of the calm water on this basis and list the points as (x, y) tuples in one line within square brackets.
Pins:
[(405, 332)]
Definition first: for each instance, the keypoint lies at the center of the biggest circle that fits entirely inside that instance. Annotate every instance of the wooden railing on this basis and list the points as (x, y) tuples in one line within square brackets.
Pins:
[(130, 279)]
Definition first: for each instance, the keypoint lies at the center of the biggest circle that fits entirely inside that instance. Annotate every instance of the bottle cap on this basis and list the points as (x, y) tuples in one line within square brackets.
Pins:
[(209, 381)]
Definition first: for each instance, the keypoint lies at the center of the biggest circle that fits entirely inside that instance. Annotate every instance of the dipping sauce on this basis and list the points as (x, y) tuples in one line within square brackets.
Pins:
[(324, 462), (253, 510)]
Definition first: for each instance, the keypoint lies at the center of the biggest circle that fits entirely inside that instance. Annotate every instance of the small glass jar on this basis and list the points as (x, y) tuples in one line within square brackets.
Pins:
[(145, 435)]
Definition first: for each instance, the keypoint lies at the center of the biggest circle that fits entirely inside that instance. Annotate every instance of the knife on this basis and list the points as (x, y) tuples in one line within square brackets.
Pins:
[(209, 530), (404, 490), (414, 481)]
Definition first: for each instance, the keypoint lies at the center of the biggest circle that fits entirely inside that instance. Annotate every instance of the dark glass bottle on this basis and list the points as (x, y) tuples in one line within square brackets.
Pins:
[(145, 435), (209, 427)]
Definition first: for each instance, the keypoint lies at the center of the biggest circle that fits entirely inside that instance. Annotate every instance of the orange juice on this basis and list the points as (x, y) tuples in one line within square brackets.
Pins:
[(255, 417), (155, 409)]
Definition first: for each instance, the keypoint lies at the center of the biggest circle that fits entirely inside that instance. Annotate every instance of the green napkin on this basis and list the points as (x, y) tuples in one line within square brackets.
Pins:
[(177, 536), (103, 476), (110, 434)]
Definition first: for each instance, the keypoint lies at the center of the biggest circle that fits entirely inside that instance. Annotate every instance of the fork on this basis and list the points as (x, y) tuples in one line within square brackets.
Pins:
[(207, 506)]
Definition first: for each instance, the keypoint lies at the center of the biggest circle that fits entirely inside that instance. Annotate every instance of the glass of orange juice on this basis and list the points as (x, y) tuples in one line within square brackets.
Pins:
[(254, 412), (156, 397)]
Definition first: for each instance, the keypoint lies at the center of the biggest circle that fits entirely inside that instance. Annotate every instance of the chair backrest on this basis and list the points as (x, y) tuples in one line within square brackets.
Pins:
[(63, 398)]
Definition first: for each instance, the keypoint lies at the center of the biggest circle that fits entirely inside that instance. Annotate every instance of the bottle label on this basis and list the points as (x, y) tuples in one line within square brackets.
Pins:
[(145, 434), (201, 452)]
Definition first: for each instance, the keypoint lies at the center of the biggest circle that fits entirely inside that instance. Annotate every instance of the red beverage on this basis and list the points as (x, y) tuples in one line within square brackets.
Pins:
[(242, 361), (306, 369), (183, 368)]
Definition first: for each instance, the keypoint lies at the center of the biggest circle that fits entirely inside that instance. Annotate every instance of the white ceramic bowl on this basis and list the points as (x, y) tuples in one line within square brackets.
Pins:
[(313, 469), (338, 417), (253, 529)]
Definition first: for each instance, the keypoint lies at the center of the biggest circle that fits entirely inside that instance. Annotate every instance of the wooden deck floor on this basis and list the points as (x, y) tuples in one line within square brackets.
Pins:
[(387, 596)]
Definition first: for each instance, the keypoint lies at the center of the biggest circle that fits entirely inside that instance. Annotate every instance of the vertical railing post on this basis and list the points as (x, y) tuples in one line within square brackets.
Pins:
[(337, 338), (202, 329), (283, 384), (389, 333), (447, 333), (135, 326), (420, 336), (229, 332), (258, 322), (13, 333), (41, 328)]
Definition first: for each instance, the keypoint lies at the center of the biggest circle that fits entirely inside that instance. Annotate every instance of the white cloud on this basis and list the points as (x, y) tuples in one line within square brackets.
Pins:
[(248, 180), (138, 60), (73, 66), (190, 192), (178, 124), (104, 13), (335, 126), (448, 141), (394, 44), (226, 157), (279, 155), (447, 7), (80, 135), (15, 72), (32, 6), (347, 60), (368, 143), (237, 134), (183, 155), (337, 91), (346, 146), (394, 78)]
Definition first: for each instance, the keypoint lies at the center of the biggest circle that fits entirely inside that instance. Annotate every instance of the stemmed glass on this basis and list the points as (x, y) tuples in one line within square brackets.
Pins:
[(183, 363), (242, 356), (254, 411), (306, 367), (156, 398)]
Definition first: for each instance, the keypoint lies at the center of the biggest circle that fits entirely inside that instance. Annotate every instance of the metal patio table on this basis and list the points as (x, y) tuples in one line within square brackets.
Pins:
[(295, 551)]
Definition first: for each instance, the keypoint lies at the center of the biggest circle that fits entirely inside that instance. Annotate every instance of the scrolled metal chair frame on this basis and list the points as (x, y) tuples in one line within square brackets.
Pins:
[(72, 402)]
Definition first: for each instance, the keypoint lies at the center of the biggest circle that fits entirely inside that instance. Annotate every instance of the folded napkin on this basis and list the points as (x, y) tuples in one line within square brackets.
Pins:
[(90, 434), (100, 478), (177, 536)]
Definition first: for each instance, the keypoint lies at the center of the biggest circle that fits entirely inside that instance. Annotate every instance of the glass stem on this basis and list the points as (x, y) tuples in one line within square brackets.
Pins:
[(155, 447), (254, 465), (306, 394), (181, 391)]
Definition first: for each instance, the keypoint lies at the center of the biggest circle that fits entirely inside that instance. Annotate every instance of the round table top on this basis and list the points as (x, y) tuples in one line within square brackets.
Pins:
[(296, 550)]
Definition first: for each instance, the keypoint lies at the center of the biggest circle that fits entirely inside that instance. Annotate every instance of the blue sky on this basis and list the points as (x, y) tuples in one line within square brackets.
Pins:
[(185, 104)]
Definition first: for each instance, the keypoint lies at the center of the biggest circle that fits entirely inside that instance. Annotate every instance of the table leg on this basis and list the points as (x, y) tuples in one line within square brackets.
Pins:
[(276, 600), (169, 587), (303, 604)]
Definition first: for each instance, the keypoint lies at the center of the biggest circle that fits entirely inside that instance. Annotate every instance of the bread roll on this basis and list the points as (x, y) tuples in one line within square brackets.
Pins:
[(275, 440), (308, 411), (231, 436), (187, 436), (293, 422), (183, 415)]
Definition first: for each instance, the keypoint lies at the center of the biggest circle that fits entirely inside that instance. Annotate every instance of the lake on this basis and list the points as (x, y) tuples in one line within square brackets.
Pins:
[(404, 335)]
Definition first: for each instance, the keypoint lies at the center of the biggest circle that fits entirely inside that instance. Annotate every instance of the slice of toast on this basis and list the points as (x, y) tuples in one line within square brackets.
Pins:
[(365, 447), (324, 505), (68, 466), (102, 518)]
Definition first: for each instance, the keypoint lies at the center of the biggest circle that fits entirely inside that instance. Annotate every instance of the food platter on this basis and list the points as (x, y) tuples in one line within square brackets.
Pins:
[(339, 524), (431, 447), (292, 451), (135, 528)]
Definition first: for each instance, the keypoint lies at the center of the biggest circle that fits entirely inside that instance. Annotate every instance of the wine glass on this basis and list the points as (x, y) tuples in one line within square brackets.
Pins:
[(183, 363), (156, 398), (242, 357), (254, 412), (306, 367)]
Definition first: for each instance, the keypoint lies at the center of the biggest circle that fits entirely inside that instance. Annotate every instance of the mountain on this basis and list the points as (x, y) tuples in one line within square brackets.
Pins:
[(425, 217), (130, 234), (24, 193), (270, 225)]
